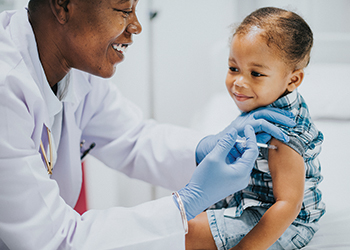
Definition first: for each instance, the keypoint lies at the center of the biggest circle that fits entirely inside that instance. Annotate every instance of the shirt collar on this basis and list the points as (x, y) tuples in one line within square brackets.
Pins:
[(289, 102)]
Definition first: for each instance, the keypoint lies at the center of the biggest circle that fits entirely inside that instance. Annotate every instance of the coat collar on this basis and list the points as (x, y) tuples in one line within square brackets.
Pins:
[(22, 35)]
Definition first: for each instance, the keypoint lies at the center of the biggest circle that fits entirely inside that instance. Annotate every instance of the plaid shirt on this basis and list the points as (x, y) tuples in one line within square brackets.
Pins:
[(304, 139)]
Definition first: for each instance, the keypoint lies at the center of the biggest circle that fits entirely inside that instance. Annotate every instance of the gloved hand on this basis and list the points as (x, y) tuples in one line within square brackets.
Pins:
[(215, 178), (260, 120)]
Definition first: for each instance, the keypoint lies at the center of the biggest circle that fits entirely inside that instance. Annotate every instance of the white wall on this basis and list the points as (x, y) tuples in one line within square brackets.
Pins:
[(187, 36)]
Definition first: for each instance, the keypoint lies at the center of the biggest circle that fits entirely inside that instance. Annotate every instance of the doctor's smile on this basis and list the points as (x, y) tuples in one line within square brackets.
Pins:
[(121, 48)]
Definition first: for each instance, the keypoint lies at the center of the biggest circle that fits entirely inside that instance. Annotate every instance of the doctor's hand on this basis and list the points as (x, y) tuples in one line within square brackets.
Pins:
[(215, 178), (260, 120)]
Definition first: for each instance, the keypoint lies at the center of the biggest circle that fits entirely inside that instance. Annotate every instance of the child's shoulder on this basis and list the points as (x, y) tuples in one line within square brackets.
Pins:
[(305, 132)]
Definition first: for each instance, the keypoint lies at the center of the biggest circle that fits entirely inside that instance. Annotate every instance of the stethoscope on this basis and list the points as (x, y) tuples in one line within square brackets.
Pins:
[(48, 163)]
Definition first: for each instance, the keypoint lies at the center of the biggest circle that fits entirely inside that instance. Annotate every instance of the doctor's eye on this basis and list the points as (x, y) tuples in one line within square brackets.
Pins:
[(125, 13)]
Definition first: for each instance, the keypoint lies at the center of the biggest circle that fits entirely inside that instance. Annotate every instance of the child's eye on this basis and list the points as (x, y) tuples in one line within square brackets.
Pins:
[(233, 69), (256, 74)]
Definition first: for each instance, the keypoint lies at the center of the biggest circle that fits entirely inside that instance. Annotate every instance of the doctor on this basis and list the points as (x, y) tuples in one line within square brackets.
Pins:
[(54, 58)]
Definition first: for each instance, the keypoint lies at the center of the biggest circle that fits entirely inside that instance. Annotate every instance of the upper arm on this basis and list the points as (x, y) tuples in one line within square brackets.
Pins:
[(287, 172)]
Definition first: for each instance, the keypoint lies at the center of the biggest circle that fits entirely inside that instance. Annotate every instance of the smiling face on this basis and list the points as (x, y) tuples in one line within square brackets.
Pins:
[(257, 76), (97, 34)]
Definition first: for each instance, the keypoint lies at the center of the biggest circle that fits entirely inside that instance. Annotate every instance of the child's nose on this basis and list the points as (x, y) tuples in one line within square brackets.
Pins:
[(239, 82)]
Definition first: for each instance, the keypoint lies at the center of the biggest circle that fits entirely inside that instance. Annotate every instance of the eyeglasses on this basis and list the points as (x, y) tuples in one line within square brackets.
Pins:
[(48, 163)]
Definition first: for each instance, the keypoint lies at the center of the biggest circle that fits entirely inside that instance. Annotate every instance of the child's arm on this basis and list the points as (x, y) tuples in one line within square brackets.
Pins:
[(199, 235), (288, 178)]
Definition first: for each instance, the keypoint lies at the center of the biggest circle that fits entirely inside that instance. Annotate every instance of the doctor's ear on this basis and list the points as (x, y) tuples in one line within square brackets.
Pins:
[(295, 79), (60, 9)]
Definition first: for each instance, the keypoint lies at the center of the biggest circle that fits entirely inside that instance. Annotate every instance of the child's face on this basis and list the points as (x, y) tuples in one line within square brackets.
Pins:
[(257, 76)]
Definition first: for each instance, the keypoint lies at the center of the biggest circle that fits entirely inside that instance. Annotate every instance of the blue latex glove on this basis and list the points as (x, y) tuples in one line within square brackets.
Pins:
[(260, 120), (215, 178)]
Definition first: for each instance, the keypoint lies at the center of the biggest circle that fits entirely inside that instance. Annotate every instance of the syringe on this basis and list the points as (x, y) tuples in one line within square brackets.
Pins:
[(261, 145)]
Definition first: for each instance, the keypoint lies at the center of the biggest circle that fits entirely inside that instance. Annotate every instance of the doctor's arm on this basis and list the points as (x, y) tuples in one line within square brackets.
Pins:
[(160, 154), (33, 215)]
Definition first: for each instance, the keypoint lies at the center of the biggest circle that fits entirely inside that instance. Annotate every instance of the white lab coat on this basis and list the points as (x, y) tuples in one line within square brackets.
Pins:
[(35, 208)]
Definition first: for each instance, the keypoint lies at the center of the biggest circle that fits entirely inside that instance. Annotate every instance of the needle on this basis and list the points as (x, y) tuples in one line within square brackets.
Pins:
[(261, 145)]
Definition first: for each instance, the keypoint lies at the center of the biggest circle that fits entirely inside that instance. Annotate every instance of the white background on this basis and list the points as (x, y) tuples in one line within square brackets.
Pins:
[(179, 62)]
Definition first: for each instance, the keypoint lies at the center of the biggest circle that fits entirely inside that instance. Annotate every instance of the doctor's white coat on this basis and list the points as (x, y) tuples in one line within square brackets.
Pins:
[(35, 208)]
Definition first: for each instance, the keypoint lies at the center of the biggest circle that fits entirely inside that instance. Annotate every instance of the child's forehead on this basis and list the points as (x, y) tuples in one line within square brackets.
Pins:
[(253, 33), (252, 50), (256, 37), (253, 39)]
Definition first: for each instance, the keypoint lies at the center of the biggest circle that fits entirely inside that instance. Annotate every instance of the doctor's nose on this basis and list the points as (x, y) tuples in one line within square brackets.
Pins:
[(134, 27)]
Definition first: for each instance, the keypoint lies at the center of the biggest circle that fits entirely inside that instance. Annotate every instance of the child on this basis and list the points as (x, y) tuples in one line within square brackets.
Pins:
[(281, 205)]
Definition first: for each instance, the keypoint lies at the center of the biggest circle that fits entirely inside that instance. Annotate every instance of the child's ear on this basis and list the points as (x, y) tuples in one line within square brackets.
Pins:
[(295, 79)]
